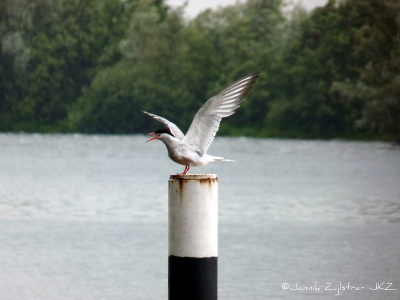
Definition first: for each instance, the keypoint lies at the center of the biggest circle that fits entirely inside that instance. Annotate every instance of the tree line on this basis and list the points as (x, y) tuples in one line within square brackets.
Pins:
[(92, 65)]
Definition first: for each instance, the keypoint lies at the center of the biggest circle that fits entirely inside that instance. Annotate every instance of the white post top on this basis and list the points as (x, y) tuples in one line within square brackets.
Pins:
[(193, 177), (193, 215)]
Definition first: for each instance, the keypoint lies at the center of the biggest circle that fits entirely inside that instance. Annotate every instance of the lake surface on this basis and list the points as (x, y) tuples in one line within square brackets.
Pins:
[(85, 217)]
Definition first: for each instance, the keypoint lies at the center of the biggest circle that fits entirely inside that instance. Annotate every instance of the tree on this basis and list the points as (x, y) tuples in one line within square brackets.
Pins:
[(378, 87), (70, 42), (229, 43), (148, 77), (320, 54), (14, 55)]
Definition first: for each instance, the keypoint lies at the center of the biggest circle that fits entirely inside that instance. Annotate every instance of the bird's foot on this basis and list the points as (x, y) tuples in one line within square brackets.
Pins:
[(185, 171)]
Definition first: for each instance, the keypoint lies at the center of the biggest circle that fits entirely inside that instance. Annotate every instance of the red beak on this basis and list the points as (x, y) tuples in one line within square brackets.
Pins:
[(154, 138)]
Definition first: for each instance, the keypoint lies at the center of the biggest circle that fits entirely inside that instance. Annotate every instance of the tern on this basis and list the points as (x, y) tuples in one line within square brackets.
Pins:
[(190, 149)]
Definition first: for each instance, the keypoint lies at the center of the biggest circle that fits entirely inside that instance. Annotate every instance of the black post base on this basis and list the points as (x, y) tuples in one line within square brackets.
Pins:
[(192, 278)]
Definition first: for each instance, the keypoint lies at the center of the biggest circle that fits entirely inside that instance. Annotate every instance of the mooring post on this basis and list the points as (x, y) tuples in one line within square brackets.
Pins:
[(193, 237)]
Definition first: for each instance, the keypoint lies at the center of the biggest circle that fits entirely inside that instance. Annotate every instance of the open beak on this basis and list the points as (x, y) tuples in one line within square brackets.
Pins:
[(153, 138)]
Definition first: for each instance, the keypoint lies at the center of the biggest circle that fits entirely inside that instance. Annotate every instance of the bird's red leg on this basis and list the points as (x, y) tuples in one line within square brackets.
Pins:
[(186, 170)]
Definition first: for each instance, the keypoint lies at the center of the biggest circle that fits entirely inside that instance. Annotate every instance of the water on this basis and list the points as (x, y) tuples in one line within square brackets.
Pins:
[(85, 217)]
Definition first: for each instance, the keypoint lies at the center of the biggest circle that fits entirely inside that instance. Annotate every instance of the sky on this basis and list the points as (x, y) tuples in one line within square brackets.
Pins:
[(196, 6)]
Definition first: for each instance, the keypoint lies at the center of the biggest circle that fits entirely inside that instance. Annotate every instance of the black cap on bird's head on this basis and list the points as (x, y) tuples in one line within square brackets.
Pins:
[(159, 132)]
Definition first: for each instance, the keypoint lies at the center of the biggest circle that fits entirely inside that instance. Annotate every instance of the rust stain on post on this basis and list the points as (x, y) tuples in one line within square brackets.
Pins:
[(181, 187), (197, 177), (208, 179)]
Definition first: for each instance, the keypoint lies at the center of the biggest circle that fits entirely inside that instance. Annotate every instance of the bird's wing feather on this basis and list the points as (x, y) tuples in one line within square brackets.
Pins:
[(174, 129), (206, 122)]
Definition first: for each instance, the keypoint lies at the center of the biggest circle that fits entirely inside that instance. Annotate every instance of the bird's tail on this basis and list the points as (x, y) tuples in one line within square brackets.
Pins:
[(220, 158)]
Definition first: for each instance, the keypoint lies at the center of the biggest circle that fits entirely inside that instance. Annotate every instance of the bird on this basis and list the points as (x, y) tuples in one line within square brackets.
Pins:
[(190, 149)]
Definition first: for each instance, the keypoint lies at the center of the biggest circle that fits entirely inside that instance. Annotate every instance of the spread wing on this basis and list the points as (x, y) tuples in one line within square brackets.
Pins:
[(174, 129), (206, 122)]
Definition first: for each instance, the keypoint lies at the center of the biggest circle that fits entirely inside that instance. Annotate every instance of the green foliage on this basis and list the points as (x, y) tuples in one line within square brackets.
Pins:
[(320, 55), (117, 94), (92, 65), (14, 56), (232, 42), (70, 43), (378, 88), (147, 78)]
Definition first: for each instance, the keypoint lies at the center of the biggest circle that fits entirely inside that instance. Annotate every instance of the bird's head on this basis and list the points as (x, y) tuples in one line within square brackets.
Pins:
[(159, 133)]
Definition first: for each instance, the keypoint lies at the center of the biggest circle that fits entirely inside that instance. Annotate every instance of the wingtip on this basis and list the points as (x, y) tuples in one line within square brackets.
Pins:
[(147, 113), (254, 75)]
